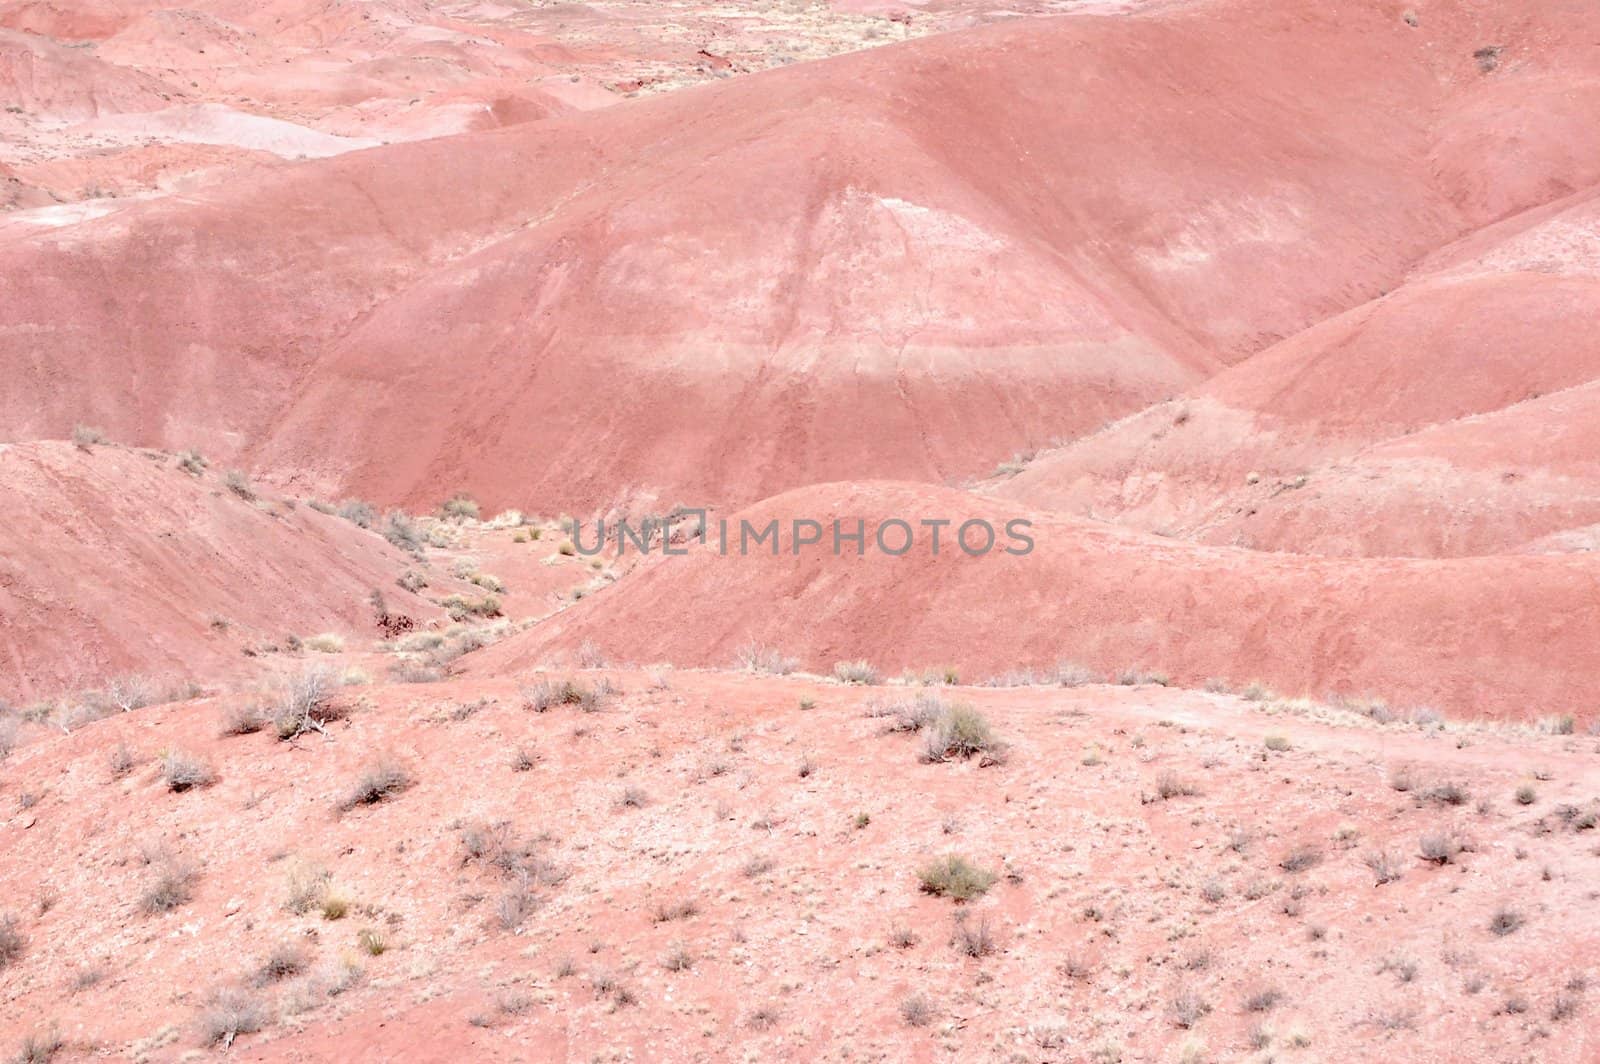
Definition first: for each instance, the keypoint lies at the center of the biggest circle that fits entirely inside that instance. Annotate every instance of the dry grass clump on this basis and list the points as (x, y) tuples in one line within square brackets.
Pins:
[(916, 1010), (954, 877), (325, 643), (546, 693), (184, 772), (230, 1013), (459, 507), (85, 437), (973, 939), (1386, 867), (753, 657), (856, 672), (400, 529), (1442, 847), (244, 719), (285, 960), (1505, 920), (1188, 1008), (236, 482), (459, 607), (192, 462), (12, 942), (381, 780), (1301, 858), (1170, 785), (172, 887), (960, 731), (303, 702)]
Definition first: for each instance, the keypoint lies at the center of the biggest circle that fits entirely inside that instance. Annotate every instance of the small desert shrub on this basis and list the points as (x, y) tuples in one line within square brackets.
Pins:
[(85, 437), (516, 904), (1169, 785), (183, 772), (402, 531), (39, 1047), (902, 937), (1071, 674), (762, 1019), (1276, 743), (1440, 847), (326, 643), (308, 886), (1263, 1000), (954, 877), (383, 779), (1138, 677), (961, 731), (459, 607), (192, 462), (460, 507), (230, 1013), (682, 909), (410, 670), (1386, 867), (1256, 691), (172, 887), (1526, 795), (678, 958), (1561, 725), (303, 702), (1301, 858), (913, 714), (121, 761), (856, 672), (973, 939), (284, 961), (1188, 1008), (1448, 793), (1403, 967), (243, 719), (411, 581), (916, 1010), (753, 657), (1213, 891), (372, 942), (546, 693), (11, 941), (239, 484), (1506, 920), (358, 512)]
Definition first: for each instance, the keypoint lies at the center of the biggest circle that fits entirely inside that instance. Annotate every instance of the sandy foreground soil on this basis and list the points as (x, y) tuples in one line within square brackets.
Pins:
[(721, 865)]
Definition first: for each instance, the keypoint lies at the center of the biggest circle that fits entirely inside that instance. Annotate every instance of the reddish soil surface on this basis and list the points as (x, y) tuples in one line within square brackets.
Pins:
[(321, 738), (709, 865)]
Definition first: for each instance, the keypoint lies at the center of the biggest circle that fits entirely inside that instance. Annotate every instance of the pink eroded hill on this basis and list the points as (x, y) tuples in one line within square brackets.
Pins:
[(1511, 637), (1450, 367), (909, 262), (117, 562), (56, 82)]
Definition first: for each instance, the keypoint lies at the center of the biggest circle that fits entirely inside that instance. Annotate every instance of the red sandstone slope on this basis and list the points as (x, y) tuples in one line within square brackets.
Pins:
[(1435, 370), (117, 562), (1506, 637), (907, 262), (60, 83)]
